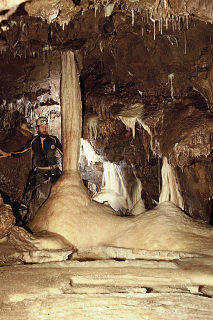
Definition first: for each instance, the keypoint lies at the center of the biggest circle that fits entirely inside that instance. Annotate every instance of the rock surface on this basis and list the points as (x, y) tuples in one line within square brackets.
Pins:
[(177, 288), (7, 219)]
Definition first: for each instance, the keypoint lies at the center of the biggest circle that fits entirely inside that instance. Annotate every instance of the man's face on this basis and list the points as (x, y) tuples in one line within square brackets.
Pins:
[(42, 130)]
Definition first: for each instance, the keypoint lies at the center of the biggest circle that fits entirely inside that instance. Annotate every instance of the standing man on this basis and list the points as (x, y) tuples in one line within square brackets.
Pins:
[(45, 166)]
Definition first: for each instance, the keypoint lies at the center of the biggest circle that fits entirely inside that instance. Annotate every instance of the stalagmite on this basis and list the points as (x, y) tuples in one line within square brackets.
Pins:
[(69, 202), (137, 202), (170, 190), (71, 216), (136, 194)]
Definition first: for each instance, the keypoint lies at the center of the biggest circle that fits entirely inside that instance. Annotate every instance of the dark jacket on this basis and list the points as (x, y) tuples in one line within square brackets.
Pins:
[(41, 157)]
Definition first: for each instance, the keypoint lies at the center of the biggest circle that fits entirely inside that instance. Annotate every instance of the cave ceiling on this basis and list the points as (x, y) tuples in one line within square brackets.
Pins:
[(119, 45), (148, 52), (152, 57)]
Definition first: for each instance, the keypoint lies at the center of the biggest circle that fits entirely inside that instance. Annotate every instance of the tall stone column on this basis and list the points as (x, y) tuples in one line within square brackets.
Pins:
[(68, 196), (71, 107)]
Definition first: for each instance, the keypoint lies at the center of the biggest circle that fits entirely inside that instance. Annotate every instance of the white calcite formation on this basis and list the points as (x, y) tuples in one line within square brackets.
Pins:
[(157, 286), (70, 213), (170, 190)]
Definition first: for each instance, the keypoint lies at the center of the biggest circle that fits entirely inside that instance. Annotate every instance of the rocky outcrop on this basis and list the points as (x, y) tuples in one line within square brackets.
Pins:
[(7, 219)]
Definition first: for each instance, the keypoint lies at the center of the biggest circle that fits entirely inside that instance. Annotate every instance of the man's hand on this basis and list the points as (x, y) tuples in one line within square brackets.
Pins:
[(4, 154)]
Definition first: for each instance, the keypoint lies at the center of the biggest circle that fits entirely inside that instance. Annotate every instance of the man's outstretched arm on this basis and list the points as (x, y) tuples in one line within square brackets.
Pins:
[(4, 154), (17, 154)]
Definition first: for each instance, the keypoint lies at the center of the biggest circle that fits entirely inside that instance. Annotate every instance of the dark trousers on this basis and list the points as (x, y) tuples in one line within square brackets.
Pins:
[(36, 178)]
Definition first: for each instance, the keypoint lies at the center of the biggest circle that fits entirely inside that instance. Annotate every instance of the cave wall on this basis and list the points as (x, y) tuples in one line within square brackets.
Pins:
[(29, 89), (123, 59)]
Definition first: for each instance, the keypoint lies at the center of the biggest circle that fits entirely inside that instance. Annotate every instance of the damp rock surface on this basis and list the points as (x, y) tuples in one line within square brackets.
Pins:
[(7, 220), (136, 284)]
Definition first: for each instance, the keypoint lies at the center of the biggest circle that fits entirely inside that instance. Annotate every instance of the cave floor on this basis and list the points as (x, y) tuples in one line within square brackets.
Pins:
[(105, 283)]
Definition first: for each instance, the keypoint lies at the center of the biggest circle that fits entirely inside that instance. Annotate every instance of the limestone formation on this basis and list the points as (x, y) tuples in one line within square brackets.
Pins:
[(136, 289), (138, 74), (70, 213)]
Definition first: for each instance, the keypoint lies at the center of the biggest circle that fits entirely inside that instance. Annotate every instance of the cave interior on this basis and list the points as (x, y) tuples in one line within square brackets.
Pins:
[(146, 77)]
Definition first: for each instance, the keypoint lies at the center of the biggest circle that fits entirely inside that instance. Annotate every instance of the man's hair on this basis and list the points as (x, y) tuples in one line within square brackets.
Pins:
[(41, 121)]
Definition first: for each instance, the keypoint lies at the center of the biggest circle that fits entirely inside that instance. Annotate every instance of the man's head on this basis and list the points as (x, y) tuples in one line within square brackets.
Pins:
[(42, 126)]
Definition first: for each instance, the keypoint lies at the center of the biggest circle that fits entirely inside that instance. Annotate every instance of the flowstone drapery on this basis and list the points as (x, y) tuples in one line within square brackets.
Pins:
[(70, 213)]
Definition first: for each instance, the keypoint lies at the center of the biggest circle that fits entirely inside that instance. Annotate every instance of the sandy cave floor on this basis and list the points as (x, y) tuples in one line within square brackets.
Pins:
[(104, 283)]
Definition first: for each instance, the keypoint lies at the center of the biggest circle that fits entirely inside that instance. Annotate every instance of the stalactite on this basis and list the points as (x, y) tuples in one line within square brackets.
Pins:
[(161, 26), (92, 126), (109, 9), (129, 123), (154, 32), (130, 115), (171, 78), (133, 17), (187, 21)]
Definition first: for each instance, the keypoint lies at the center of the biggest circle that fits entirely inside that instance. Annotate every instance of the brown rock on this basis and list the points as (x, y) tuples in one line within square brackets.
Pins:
[(7, 220)]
